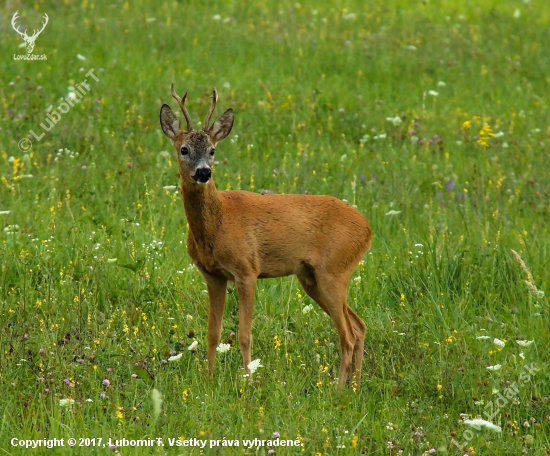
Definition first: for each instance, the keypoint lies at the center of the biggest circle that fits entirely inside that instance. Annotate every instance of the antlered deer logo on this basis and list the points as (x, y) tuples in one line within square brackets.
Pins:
[(29, 40)]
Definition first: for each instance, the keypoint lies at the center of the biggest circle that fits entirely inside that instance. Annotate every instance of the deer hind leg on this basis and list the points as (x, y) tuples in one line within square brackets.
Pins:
[(245, 289), (217, 291), (330, 293), (360, 330)]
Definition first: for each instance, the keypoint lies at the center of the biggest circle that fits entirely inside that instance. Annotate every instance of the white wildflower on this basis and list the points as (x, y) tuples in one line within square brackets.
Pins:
[(216, 17), (433, 93), (478, 423), (521, 355), (500, 134), (441, 84), (223, 348), (80, 57), (524, 343), (66, 402), (494, 368), (170, 187), (499, 343), (193, 346), (482, 337), (254, 365), (392, 212), (307, 309), (395, 120), (175, 357)]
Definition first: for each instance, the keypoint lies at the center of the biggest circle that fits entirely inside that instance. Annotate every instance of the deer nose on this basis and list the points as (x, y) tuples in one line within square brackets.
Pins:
[(202, 175)]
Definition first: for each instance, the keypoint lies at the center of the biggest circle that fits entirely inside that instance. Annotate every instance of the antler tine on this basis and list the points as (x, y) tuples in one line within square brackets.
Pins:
[(44, 23), (181, 102), (211, 110), (13, 20)]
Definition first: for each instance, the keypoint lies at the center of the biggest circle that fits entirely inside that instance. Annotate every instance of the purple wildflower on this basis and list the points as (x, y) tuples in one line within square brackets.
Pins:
[(106, 382), (450, 185)]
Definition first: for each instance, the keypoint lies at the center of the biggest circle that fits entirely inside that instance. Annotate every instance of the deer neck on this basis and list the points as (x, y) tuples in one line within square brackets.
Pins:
[(203, 209)]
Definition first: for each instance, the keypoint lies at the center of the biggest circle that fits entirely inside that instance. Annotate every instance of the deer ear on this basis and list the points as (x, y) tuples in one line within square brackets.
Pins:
[(222, 126), (169, 122)]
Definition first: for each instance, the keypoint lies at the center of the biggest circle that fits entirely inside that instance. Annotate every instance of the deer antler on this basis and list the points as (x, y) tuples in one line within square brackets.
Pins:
[(13, 19), (211, 110), (181, 102), (36, 32)]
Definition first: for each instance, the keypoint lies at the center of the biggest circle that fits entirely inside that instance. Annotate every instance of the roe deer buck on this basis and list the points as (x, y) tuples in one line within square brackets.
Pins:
[(243, 236)]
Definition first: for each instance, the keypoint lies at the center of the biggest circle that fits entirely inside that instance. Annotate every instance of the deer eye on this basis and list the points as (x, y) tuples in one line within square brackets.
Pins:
[(212, 152), (184, 150)]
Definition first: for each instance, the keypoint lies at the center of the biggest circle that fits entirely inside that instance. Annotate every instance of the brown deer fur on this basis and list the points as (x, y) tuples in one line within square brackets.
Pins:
[(243, 236)]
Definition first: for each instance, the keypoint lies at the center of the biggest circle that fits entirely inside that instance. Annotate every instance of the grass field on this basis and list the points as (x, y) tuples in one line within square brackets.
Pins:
[(431, 117)]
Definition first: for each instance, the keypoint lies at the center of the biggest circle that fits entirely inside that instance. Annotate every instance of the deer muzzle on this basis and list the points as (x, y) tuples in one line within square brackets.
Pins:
[(202, 175)]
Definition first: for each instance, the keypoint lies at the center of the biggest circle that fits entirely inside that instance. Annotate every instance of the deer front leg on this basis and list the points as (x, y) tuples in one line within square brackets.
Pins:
[(245, 288), (217, 290)]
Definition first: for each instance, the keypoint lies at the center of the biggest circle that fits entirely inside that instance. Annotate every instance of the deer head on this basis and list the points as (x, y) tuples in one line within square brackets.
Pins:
[(29, 40), (195, 148)]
